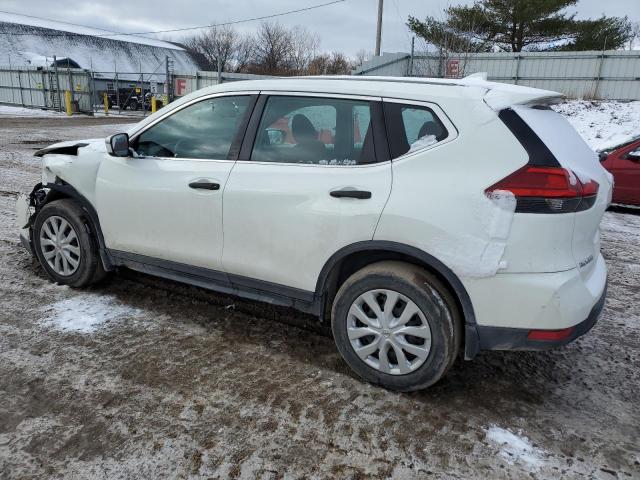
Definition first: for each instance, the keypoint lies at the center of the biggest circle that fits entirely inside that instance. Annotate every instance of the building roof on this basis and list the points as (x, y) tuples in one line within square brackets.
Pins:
[(81, 30), (26, 40)]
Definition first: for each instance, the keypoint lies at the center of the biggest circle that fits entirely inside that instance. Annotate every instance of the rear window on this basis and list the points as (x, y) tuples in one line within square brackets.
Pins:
[(411, 127), (563, 141)]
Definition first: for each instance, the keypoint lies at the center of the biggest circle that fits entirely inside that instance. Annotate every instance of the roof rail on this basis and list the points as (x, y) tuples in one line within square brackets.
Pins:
[(371, 78)]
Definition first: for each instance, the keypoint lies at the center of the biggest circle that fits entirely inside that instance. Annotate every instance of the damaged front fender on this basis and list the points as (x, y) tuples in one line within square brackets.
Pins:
[(41, 195)]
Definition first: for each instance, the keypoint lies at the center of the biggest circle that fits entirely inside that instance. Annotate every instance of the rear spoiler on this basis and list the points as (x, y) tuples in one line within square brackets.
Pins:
[(504, 95)]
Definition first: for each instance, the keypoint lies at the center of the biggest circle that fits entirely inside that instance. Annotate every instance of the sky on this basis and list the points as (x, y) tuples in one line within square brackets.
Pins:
[(347, 27)]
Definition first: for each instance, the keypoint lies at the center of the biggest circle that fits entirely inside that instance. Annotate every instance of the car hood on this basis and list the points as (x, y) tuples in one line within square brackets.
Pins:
[(69, 147)]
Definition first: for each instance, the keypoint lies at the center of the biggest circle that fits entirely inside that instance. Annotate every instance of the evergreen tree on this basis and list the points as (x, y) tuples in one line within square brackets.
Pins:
[(514, 25)]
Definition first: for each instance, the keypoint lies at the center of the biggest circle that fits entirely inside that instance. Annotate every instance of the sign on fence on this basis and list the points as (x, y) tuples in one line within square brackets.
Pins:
[(453, 68), (182, 87)]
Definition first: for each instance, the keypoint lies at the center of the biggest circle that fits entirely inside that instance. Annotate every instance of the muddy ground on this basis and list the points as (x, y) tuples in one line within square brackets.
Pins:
[(144, 378)]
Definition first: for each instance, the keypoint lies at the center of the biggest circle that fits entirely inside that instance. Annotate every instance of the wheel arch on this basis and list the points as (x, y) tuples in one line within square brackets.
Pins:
[(61, 189), (353, 257)]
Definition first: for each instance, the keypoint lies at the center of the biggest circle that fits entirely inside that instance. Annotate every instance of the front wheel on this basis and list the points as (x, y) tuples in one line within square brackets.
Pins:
[(396, 325), (64, 245)]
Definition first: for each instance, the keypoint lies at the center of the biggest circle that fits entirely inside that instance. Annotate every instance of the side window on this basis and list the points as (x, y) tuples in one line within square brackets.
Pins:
[(204, 130), (411, 127), (323, 131)]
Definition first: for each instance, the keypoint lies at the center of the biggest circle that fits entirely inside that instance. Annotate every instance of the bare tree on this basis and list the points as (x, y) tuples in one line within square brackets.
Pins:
[(319, 64), (303, 48), (634, 34), (217, 44), (272, 52), (335, 63), (361, 57), (244, 53)]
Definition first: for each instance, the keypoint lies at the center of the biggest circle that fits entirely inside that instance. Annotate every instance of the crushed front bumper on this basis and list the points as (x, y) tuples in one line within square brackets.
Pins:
[(24, 211)]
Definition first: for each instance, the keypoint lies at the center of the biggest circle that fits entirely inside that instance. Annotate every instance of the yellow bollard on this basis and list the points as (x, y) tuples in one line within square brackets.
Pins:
[(105, 99), (153, 104), (67, 102)]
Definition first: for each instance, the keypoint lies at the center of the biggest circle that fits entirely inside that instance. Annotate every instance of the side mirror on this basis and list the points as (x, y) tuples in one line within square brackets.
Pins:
[(602, 156), (118, 145), (634, 156)]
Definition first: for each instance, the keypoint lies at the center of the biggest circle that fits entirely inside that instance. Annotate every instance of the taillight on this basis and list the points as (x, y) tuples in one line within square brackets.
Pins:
[(547, 190)]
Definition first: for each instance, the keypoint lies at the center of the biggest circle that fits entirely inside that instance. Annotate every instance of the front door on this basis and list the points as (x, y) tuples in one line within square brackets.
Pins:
[(312, 182), (165, 201), (626, 174)]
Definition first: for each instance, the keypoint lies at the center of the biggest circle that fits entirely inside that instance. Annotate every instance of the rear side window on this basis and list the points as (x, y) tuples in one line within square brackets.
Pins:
[(315, 130), (411, 127)]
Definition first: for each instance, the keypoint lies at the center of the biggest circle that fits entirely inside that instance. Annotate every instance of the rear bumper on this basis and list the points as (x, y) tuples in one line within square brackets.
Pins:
[(559, 307), (501, 338)]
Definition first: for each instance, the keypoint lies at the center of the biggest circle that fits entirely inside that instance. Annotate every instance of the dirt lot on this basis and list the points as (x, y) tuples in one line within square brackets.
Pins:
[(146, 378)]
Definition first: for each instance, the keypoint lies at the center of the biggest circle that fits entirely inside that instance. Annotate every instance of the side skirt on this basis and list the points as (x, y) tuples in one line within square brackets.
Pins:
[(221, 282)]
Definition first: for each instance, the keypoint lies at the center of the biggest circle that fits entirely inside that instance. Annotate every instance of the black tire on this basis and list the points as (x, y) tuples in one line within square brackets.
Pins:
[(433, 299), (133, 105), (90, 269)]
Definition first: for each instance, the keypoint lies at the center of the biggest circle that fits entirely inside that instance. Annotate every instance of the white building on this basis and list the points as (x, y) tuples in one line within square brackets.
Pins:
[(27, 41)]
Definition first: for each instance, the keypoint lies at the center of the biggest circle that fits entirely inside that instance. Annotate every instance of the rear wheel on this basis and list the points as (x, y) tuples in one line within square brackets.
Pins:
[(65, 246), (396, 325)]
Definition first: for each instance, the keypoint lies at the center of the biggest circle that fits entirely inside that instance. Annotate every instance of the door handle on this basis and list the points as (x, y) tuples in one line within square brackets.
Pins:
[(348, 193), (205, 185)]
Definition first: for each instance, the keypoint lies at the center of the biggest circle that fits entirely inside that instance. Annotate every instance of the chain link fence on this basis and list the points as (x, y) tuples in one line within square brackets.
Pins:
[(126, 92)]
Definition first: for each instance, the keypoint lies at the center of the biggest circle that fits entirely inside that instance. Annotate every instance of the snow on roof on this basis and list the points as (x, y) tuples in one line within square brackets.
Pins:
[(80, 30), (25, 40)]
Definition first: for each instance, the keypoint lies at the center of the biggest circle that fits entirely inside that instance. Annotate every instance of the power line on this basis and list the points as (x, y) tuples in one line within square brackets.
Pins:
[(111, 34)]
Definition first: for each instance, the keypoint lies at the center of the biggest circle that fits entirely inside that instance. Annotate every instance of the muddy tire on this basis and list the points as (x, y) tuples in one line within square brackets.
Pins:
[(396, 325), (65, 246)]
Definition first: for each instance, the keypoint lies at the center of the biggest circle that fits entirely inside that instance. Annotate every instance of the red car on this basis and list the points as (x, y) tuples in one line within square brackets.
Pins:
[(623, 161)]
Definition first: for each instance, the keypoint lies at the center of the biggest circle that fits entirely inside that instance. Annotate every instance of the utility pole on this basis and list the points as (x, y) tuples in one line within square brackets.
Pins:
[(379, 28), (413, 47), (167, 79)]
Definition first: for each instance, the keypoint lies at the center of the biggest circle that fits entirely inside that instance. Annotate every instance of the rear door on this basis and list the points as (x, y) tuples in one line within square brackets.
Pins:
[(313, 176), (575, 155), (166, 201)]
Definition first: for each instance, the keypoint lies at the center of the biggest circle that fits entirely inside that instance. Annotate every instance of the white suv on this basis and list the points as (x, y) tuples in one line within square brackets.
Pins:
[(424, 218)]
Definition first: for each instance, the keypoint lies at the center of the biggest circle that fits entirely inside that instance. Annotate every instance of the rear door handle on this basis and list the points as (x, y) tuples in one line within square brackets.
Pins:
[(205, 185), (349, 193)]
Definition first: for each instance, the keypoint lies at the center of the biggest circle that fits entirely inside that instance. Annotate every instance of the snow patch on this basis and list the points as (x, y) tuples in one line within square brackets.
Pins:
[(422, 142), (86, 313), (516, 448), (335, 161), (602, 124), (480, 256), (29, 112)]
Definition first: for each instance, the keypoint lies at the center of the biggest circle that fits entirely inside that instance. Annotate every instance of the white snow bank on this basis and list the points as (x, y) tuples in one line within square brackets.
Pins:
[(516, 449), (602, 124), (85, 313), (28, 112)]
